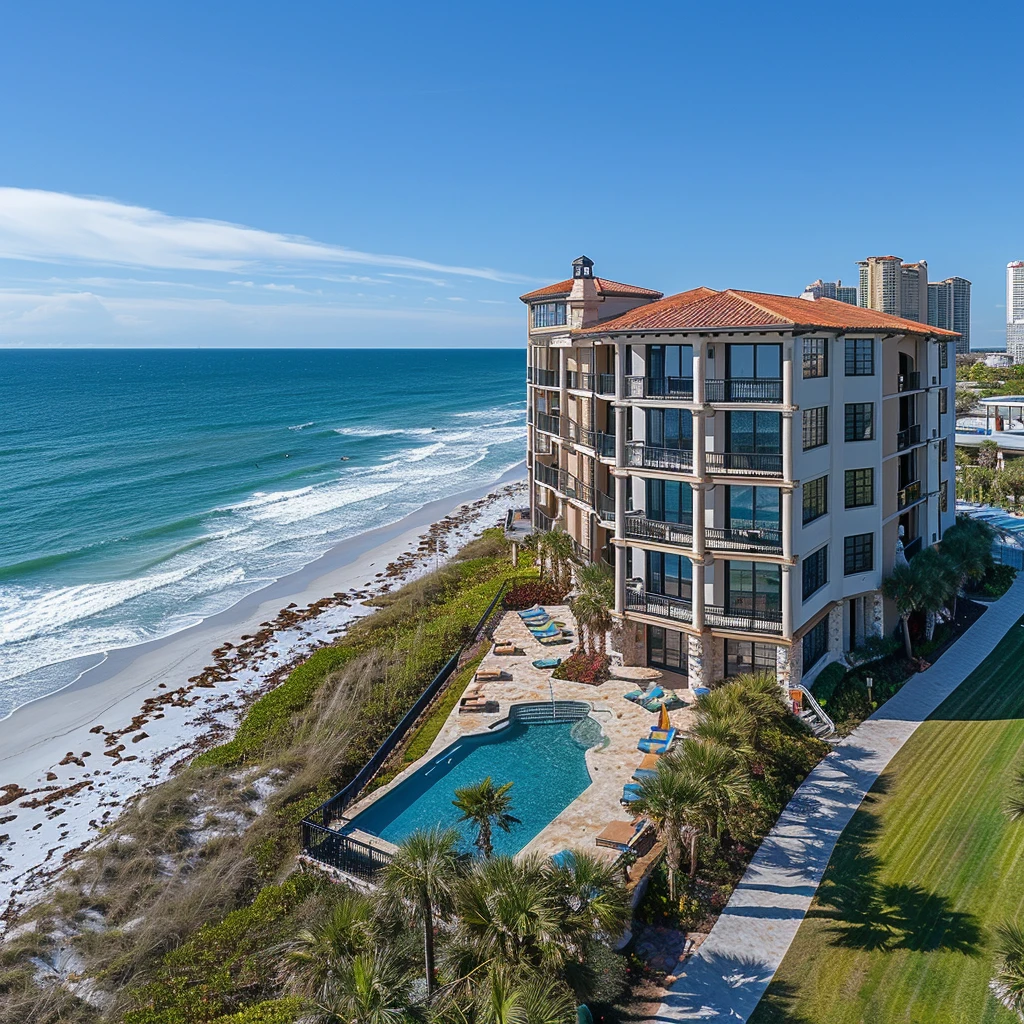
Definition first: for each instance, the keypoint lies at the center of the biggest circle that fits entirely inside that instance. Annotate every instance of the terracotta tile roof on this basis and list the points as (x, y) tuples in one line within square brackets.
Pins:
[(717, 310), (604, 287)]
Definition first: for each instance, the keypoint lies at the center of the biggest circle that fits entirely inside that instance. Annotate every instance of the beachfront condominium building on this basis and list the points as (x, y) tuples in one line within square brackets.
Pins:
[(747, 465), (1015, 310), (889, 285), (949, 306), (830, 290)]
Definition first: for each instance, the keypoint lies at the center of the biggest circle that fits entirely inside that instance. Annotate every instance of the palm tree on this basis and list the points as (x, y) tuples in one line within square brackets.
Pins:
[(1015, 801), (533, 1002), (904, 589), (422, 875), (309, 961), (594, 899), (487, 806), (720, 774), (558, 545), (593, 604), (938, 582), (1009, 976), (968, 547), (673, 800), (369, 988)]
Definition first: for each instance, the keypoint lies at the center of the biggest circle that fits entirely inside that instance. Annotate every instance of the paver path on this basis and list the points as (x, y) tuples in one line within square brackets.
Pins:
[(727, 976)]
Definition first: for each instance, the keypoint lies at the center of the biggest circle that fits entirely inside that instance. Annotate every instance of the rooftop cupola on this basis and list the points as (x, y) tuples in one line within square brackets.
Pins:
[(583, 266)]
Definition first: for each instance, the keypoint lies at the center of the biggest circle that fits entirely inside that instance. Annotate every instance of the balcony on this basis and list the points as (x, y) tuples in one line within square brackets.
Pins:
[(605, 507), (547, 475), (909, 437), (677, 609), (574, 488), (744, 389), (638, 527), (541, 521), (542, 378), (909, 381), (643, 456), (679, 389), (760, 540), (767, 620), (605, 445), (745, 463), (549, 424), (908, 495), (913, 547), (572, 379)]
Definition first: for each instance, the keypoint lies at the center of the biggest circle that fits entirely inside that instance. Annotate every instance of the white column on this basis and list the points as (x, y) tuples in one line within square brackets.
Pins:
[(699, 354), (699, 444), (787, 447), (620, 579), (698, 518), (787, 523), (787, 601), (788, 350), (620, 373), (697, 600), (563, 393), (621, 414)]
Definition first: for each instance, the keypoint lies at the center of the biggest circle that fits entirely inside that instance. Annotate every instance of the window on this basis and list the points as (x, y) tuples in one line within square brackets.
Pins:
[(670, 575), (815, 643), (860, 488), (742, 656), (752, 588), (858, 553), (944, 496), (815, 571), (754, 361), (669, 502), (753, 508), (943, 355), (754, 432), (815, 499), (943, 400), (860, 421), (860, 357), (670, 428), (666, 648), (670, 361), (815, 424), (815, 357), (944, 449), (549, 314)]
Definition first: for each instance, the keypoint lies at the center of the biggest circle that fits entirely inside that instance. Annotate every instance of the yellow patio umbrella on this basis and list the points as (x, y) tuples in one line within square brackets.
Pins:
[(663, 722)]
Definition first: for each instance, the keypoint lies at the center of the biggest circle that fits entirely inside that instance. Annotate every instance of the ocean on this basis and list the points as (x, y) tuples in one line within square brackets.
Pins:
[(142, 491)]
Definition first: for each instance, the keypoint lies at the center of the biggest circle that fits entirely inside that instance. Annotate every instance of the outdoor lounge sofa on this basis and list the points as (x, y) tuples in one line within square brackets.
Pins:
[(627, 836), (659, 741)]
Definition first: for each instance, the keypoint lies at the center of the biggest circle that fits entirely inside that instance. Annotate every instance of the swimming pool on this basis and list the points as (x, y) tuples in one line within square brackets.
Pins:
[(544, 761)]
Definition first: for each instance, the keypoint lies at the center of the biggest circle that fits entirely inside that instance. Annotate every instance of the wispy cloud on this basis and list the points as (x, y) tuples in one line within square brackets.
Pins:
[(53, 227)]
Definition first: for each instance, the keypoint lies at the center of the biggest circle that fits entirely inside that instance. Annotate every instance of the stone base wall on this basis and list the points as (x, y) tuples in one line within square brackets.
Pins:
[(699, 660), (630, 640), (789, 664)]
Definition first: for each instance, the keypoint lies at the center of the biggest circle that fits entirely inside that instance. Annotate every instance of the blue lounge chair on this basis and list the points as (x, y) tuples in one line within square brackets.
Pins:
[(644, 773), (547, 663), (635, 696), (549, 630), (534, 613), (630, 792), (658, 742)]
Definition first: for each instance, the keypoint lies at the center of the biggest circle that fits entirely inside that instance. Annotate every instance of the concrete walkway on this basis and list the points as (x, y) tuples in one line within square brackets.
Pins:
[(727, 976)]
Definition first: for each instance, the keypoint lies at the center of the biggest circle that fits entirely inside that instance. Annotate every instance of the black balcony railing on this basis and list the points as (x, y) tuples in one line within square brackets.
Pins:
[(549, 424), (574, 488), (763, 620), (542, 378), (542, 445), (909, 381), (605, 507), (744, 389), (605, 383), (912, 548), (638, 527), (909, 437), (677, 609), (908, 495), (582, 435), (605, 445), (541, 521), (747, 463), (679, 388), (644, 456), (545, 474), (754, 538)]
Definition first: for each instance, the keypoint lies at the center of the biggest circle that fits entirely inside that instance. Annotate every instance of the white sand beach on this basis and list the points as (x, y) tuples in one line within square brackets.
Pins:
[(70, 762)]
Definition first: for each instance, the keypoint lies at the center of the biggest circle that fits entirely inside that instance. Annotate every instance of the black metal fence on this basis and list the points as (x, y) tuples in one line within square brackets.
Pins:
[(331, 847)]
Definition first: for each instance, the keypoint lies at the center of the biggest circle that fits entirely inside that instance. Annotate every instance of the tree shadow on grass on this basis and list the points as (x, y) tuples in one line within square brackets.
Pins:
[(777, 1006), (869, 914)]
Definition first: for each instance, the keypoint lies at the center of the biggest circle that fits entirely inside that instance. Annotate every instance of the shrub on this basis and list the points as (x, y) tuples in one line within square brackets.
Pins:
[(530, 593), (274, 1011), (827, 680), (997, 581), (584, 668)]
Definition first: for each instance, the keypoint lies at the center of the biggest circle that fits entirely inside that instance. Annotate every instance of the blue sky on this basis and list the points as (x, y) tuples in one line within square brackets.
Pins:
[(397, 174)]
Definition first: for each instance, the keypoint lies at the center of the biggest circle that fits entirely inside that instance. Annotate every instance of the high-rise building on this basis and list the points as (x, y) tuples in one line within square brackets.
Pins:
[(1015, 310), (830, 290), (949, 306), (889, 285), (748, 465)]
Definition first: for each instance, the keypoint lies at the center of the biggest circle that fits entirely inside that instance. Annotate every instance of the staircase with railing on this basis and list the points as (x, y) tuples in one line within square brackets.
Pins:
[(813, 714)]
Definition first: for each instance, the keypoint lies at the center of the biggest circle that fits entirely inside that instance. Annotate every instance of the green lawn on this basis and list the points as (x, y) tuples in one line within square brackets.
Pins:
[(901, 928)]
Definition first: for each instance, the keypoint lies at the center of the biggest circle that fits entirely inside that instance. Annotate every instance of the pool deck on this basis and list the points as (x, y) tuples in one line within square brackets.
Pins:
[(611, 763)]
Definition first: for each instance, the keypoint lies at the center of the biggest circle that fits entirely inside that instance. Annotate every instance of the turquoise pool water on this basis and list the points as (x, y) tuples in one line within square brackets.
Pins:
[(545, 763)]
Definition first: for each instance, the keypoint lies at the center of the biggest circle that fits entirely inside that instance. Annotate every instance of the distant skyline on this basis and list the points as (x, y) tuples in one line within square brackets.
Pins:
[(251, 175)]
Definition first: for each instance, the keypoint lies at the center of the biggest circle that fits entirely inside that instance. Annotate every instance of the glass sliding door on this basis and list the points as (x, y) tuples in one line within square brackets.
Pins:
[(752, 587), (669, 502), (754, 432), (753, 508), (670, 428), (670, 575)]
